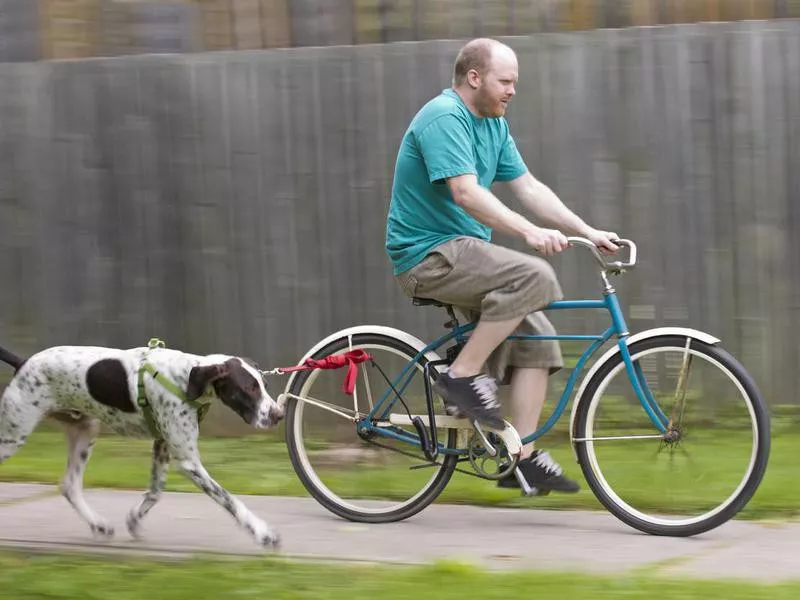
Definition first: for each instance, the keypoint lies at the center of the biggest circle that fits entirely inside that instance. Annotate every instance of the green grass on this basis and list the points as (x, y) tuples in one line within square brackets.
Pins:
[(260, 465), (78, 578)]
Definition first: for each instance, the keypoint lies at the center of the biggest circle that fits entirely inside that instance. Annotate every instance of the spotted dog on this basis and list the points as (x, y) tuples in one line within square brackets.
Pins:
[(147, 392)]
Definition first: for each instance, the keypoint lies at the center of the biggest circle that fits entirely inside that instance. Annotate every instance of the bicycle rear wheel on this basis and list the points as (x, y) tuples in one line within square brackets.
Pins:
[(710, 466), (370, 478)]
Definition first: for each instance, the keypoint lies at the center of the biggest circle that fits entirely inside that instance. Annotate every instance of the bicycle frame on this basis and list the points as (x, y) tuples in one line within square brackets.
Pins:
[(603, 397), (617, 329)]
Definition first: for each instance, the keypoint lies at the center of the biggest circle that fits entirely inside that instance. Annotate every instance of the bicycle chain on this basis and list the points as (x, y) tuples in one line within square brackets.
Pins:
[(426, 464)]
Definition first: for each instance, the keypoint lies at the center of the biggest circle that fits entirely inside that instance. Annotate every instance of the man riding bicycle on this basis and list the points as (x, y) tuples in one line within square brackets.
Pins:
[(438, 233)]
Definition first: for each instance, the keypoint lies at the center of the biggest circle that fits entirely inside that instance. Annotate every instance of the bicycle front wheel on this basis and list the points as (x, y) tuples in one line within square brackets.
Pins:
[(369, 477), (711, 461)]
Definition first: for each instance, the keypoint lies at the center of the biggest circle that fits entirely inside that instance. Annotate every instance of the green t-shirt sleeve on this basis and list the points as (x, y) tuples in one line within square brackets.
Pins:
[(510, 164), (446, 146)]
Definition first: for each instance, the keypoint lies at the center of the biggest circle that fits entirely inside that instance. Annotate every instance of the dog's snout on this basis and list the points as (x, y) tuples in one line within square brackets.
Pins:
[(269, 414)]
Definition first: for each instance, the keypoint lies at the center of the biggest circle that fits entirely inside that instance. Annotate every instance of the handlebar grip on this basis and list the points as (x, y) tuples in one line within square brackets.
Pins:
[(608, 266)]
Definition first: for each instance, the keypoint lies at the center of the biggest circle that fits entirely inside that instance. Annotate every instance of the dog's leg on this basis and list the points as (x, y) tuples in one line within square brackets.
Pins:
[(18, 418), (8, 447), (183, 448), (158, 478), (181, 435), (10, 442), (257, 528), (80, 440)]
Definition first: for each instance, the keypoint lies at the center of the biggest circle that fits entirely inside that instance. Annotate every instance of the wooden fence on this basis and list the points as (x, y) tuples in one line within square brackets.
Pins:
[(45, 29), (236, 201)]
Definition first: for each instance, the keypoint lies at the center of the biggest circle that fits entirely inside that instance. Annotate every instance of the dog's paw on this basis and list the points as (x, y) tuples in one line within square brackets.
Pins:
[(102, 530), (134, 525), (270, 540), (263, 535)]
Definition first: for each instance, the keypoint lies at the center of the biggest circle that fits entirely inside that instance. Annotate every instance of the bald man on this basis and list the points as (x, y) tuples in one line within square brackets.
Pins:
[(438, 237)]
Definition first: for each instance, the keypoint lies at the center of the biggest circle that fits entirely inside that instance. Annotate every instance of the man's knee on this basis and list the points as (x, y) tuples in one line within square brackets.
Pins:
[(526, 286), (539, 283)]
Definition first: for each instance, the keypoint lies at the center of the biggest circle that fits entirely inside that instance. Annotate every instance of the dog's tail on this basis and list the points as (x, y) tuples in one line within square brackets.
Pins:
[(11, 359)]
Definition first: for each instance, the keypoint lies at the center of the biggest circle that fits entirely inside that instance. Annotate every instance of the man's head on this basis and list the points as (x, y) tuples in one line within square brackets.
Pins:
[(484, 75)]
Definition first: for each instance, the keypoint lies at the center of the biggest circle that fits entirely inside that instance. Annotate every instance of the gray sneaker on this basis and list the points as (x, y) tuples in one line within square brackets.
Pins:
[(543, 473), (474, 397)]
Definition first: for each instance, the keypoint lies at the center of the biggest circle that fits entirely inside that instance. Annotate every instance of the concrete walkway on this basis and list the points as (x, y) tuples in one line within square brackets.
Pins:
[(36, 517)]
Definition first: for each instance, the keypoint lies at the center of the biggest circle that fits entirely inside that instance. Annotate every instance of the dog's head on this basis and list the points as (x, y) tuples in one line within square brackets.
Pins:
[(239, 385)]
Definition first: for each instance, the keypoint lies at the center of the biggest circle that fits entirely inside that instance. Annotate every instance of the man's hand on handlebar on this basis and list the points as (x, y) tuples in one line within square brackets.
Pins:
[(603, 240), (552, 241), (616, 266), (546, 241)]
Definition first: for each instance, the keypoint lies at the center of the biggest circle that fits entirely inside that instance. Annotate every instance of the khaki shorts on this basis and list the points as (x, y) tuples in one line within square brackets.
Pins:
[(494, 283)]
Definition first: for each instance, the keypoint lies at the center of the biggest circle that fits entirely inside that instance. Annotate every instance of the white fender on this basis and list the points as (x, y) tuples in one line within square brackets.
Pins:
[(611, 352), (402, 336)]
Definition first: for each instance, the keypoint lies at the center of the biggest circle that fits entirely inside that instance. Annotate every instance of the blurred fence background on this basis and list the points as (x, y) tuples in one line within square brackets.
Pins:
[(42, 29), (235, 201)]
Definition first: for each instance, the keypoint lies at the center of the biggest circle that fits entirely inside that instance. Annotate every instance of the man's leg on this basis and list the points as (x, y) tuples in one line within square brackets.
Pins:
[(530, 364), (501, 285), (528, 393), (485, 338), (464, 374)]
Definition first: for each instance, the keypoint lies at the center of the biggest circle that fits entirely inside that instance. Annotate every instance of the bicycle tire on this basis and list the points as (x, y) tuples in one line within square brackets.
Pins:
[(318, 490), (613, 502)]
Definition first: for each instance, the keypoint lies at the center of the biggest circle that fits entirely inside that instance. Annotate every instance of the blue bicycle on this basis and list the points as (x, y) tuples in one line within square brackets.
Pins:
[(670, 431)]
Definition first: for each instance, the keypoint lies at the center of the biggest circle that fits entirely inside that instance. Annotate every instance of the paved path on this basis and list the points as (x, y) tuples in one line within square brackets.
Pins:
[(35, 516)]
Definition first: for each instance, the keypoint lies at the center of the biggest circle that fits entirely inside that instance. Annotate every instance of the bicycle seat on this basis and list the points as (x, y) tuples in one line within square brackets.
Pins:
[(427, 302)]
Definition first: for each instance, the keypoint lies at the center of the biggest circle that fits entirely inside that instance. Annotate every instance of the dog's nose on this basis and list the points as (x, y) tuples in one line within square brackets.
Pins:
[(270, 417), (276, 412)]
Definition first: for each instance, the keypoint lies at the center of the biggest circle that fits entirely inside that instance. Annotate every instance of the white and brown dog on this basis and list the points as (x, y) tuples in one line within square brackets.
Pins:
[(84, 386)]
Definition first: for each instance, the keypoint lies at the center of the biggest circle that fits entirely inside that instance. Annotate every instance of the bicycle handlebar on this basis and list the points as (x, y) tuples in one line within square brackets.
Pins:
[(615, 266)]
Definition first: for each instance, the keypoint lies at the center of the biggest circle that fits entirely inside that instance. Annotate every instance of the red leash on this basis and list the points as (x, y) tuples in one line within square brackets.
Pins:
[(351, 359)]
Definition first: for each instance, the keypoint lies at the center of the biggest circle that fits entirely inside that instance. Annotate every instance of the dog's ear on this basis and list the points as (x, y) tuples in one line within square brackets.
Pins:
[(200, 377)]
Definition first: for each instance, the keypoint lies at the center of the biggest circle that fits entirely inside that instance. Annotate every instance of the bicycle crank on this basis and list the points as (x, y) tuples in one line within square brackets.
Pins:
[(489, 454)]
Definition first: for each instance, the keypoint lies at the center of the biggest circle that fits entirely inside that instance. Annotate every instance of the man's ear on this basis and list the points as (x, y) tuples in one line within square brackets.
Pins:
[(474, 78), (200, 377)]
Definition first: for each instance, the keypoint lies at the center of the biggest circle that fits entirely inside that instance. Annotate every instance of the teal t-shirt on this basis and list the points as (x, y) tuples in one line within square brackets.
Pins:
[(444, 140)]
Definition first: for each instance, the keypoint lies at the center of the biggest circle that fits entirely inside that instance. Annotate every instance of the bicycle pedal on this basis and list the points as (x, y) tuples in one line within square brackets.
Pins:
[(526, 488)]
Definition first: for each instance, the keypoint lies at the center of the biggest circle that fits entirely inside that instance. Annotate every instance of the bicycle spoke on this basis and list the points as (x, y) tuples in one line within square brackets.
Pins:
[(341, 411), (368, 389), (680, 390), (667, 487), (357, 471), (610, 438)]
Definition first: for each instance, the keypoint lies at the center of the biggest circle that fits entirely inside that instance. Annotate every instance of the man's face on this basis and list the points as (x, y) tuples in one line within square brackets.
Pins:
[(496, 87)]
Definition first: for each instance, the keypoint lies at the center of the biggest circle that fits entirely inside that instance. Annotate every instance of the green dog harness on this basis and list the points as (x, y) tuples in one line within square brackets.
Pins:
[(200, 405)]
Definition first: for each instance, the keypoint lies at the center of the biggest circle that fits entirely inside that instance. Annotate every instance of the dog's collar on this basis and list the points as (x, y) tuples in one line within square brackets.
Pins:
[(201, 405)]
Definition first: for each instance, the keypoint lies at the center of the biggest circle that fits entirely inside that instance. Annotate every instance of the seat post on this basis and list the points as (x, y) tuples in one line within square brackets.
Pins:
[(452, 323)]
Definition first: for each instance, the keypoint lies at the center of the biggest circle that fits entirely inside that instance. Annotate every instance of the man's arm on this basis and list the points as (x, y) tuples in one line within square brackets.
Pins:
[(489, 210), (546, 206)]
